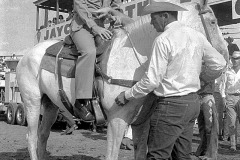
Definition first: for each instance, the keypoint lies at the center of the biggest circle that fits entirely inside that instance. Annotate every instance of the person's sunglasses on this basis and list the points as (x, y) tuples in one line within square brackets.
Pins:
[(237, 58)]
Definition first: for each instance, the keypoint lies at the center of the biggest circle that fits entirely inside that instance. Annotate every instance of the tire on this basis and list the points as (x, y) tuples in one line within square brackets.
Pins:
[(11, 112), (21, 115)]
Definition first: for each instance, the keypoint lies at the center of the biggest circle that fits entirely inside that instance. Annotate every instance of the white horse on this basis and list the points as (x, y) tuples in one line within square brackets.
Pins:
[(127, 59)]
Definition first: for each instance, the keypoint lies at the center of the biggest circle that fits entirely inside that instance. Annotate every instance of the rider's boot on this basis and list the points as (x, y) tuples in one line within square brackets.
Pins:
[(81, 110)]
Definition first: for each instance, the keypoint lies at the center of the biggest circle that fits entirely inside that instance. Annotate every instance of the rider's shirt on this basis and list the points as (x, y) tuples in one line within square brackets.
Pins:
[(83, 12), (176, 62)]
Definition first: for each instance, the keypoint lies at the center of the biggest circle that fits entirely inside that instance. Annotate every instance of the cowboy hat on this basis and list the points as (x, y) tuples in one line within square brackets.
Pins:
[(162, 5), (236, 54)]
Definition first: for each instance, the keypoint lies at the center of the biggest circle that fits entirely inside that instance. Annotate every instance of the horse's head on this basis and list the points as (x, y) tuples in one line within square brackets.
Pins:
[(192, 18)]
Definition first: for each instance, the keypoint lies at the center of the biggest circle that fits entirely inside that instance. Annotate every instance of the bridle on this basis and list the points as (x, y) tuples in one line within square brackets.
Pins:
[(201, 13)]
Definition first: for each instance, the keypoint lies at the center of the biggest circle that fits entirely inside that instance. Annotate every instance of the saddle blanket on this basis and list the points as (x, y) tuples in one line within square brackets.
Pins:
[(68, 64)]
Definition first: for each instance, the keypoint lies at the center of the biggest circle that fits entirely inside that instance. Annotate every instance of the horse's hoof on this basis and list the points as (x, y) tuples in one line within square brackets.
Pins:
[(69, 131)]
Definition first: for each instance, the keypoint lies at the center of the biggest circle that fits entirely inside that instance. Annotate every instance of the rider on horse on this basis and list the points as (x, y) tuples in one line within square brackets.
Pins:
[(85, 26)]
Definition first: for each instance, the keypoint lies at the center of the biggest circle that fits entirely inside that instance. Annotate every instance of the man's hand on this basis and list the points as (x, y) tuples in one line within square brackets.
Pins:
[(102, 32), (100, 13), (121, 100)]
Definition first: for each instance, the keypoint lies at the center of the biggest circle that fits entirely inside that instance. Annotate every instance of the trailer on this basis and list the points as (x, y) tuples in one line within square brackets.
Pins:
[(11, 101)]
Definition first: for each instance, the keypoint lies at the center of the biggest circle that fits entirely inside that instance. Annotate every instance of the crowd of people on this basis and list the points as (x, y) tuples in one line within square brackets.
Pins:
[(61, 19)]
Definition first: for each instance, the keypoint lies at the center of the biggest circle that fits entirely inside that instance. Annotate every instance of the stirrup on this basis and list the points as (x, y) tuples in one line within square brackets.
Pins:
[(83, 113)]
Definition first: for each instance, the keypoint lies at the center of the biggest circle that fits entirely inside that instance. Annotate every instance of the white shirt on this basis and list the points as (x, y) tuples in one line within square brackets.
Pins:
[(176, 62), (230, 83)]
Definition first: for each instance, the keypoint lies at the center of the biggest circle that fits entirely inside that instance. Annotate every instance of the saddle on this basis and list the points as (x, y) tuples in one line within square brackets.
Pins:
[(61, 58)]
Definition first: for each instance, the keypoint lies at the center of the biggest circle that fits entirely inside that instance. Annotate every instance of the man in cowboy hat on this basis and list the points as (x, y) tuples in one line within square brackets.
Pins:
[(230, 91), (173, 76)]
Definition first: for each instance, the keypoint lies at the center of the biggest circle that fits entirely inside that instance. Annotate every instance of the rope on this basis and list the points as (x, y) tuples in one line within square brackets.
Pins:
[(134, 49)]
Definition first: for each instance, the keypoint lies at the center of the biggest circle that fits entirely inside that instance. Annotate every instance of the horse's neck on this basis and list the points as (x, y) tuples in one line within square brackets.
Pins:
[(191, 17), (130, 51)]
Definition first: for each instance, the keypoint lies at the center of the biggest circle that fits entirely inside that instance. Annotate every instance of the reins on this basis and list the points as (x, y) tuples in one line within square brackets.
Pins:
[(134, 49)]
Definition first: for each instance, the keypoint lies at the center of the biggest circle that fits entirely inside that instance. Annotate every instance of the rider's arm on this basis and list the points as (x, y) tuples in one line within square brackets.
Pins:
[(82, 10), (121, 18)]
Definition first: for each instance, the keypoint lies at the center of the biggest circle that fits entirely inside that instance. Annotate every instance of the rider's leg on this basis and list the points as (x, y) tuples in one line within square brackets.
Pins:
[(50, 112), (85, 44)]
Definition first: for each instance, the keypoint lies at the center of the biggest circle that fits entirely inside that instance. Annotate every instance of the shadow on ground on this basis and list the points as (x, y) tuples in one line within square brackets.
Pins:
[(22, 154), (3, 117), (94, 136)]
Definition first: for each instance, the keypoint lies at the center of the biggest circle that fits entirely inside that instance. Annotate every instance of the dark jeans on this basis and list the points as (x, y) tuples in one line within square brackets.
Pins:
[(171, 127)]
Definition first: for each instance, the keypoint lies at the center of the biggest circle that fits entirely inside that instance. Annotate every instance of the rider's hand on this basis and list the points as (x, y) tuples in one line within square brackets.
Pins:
[(121, 100), (102, 32), (102, 12)]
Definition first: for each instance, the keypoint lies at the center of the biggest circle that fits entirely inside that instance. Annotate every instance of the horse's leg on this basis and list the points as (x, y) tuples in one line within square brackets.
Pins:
[(50, 112), (116, 129), (140, 137), (33, 111)]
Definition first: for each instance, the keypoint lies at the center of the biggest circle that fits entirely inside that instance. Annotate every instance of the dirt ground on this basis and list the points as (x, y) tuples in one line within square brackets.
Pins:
[(83, 144)]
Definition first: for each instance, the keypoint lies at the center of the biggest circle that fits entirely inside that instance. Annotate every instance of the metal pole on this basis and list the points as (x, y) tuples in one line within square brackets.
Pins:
[(57, 13), (46, 18), (37, 18)]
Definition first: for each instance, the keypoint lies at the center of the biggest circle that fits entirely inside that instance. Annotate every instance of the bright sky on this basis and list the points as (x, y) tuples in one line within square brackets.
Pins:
[(17, 27)]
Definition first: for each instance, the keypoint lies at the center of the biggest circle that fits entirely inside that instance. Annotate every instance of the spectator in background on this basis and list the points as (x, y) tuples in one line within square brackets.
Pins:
[(70, 15), (231, 46), (54, 21), (230, 91), (14, 56), (49, 23), (61, 19)]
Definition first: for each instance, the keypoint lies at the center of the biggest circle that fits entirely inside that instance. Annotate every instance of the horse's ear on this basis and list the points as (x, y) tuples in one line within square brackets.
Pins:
[(203, 4)]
